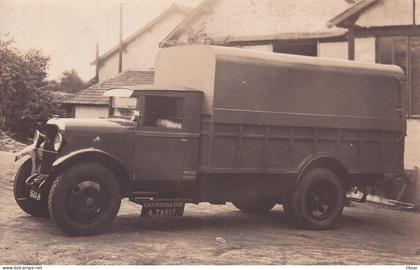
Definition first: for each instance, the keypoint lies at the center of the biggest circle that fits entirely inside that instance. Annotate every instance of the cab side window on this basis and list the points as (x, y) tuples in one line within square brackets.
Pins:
[(163, 112)]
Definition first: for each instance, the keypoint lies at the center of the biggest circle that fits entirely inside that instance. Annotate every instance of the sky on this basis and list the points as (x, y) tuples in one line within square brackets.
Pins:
[(68, 30)]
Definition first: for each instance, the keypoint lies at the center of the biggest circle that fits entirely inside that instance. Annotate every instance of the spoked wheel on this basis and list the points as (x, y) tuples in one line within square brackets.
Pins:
[(21, 193), (84, 199), (318, 200)]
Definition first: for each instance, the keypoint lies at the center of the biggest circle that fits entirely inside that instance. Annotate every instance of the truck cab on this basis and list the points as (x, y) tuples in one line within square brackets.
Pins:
[(164, 144)]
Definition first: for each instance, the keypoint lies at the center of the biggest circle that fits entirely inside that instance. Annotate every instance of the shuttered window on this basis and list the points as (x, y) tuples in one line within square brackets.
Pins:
[(414, 97), (405, 52)]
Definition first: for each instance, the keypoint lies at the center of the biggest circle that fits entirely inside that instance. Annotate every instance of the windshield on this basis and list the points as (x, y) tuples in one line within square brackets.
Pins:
[(123, 106)]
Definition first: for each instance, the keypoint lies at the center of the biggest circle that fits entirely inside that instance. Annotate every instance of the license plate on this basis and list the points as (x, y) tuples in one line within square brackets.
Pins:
[(162, 209), (33, 194)]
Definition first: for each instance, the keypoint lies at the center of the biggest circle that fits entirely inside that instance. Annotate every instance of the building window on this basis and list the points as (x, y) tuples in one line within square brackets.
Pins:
[(405, 52), (299, 48)]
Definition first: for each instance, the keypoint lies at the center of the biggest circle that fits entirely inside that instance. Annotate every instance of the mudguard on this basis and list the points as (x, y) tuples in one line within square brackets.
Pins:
[(323, 159), (95, 155)]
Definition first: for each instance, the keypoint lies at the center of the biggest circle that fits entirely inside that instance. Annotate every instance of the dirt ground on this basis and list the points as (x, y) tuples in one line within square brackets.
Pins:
[(208, 234)]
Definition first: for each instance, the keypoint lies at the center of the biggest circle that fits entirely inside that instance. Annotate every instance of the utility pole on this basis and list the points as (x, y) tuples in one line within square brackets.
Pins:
[(97, 62), (121, 40), (414, 12)]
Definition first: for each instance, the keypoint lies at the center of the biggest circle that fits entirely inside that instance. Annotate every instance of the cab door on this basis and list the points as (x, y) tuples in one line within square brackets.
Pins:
[(166, 144)]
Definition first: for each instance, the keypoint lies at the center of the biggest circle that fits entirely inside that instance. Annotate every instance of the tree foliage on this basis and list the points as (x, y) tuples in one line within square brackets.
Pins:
[(53, 86), (71, 82), (23, 105)]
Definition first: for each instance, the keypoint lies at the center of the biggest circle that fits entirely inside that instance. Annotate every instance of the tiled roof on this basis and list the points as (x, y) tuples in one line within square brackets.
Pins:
[(94, 94), (221, 22)]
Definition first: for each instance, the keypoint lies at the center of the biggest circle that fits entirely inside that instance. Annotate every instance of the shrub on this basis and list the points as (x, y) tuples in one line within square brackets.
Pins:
[(24, 107)]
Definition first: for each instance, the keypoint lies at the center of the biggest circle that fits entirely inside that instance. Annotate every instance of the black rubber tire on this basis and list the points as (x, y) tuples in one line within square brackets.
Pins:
[(21, 193), (328, 188), (62, 191), (254, 207)]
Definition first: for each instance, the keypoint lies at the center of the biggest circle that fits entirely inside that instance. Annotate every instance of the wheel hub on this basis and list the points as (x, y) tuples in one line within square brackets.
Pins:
[(87, 201), (320, 201)]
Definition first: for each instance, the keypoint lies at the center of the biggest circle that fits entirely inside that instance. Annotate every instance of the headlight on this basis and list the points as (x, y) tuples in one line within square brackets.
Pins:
[(57, 141)]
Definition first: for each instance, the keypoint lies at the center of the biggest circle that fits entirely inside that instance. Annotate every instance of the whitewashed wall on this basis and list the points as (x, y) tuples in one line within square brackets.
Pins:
[(140, 54), (264, 48), (108, 68), (412, 144), (86, 111), (388, 12), (365, 50), (417, 14), (337, 50)]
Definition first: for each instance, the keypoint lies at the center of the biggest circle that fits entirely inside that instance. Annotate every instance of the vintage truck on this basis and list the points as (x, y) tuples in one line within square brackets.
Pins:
[(222, 125)]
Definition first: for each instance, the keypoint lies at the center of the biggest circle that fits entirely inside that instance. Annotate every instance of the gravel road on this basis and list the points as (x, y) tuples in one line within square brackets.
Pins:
[(208, 234)]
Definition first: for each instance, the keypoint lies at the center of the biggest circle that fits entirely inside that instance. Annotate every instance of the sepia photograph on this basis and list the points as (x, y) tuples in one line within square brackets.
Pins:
[(209, 133)]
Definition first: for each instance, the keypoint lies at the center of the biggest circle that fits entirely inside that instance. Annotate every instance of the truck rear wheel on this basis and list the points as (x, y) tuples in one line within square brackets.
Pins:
[(254, 206), (84, 199), (21, 193), (318, 200)]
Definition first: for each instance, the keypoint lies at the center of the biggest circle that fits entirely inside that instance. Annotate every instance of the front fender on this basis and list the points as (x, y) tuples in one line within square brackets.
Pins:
[(79, 154), (94, 155)]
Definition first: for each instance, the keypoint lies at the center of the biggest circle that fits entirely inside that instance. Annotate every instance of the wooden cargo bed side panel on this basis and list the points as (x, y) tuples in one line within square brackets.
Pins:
[(237, 148)]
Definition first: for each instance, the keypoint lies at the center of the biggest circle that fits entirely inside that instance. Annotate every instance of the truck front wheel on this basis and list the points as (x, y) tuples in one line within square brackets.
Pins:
[(21, 193), (318, 200), (84, 199)]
